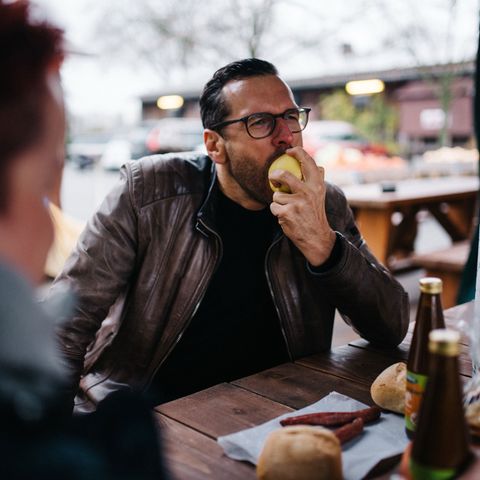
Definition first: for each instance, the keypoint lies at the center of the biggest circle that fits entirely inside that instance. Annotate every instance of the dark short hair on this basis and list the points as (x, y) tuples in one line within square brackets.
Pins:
[(213, 107), (29, 48)]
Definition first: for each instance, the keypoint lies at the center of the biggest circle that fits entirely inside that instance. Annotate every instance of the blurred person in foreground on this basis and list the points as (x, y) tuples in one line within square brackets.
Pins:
[(37, 439), (211, 275)]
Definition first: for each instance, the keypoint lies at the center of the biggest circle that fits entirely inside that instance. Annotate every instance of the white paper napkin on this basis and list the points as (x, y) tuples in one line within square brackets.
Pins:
[(382, 439)]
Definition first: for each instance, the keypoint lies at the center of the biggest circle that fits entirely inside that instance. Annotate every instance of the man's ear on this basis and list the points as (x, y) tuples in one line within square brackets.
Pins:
[(215, 145)]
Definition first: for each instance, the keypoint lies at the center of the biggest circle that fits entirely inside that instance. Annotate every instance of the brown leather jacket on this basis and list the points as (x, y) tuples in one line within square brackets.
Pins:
[(152, 248)]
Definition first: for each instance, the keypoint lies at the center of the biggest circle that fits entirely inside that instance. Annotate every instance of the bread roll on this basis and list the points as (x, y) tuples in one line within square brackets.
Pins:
[(300, 453), (388, 389)]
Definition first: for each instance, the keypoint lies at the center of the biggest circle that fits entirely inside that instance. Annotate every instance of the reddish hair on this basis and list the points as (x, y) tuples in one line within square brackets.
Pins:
[(29, 49)]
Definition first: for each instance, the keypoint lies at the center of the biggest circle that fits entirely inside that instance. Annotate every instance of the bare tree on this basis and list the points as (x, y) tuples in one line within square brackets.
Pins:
[(430, 33), (184, 39), (173, 35)]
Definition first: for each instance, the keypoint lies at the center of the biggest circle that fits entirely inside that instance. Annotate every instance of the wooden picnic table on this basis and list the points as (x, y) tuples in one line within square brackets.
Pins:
[(388, 220), (191, 425)]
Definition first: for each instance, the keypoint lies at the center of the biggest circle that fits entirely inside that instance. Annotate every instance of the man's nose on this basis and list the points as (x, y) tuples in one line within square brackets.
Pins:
[(282, 135)]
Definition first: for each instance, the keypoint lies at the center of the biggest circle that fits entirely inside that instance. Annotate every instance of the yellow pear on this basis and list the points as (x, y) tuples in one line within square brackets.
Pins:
[(289, 164)]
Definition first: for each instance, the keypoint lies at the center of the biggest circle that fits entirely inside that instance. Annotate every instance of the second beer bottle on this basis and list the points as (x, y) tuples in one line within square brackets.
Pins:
[(429, 317), (441, 446)]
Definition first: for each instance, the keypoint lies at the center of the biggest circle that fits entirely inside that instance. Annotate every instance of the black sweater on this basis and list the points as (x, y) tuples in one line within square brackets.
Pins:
[(236, 330)]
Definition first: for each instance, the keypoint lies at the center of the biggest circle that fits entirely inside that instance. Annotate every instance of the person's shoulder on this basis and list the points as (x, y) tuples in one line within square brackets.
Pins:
[(28, 348), (182, 164), (163, 176)]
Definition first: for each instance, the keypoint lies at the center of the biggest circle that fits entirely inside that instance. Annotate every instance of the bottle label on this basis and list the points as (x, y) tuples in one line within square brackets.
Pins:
[(416, 383), (422, 472)]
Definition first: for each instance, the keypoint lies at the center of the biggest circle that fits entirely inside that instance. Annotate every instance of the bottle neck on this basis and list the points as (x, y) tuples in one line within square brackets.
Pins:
[(430, 298), (429, 317)]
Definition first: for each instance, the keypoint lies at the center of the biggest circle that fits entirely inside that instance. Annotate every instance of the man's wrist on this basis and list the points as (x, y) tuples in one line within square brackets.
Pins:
[(333, 258)]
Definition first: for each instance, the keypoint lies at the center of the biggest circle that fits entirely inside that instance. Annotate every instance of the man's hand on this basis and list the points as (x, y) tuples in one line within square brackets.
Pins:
[(301, 214)]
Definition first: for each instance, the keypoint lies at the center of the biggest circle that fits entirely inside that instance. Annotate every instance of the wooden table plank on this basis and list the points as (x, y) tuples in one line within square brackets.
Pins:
[(398, 354), (189, 455), (298, 386), (450, 200), (222, 409), (401, 354), (413, 192), (375, 226), (356, 364), (190, 425)]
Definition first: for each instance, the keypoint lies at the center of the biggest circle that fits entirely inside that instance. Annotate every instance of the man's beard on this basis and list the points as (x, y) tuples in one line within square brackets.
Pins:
[(253, 178)]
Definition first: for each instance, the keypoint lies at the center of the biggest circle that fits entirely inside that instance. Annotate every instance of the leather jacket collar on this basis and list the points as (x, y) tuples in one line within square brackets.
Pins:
[(206, 213)]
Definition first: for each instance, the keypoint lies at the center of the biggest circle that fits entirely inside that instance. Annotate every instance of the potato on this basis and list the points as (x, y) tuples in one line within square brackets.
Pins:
[(388, 389)]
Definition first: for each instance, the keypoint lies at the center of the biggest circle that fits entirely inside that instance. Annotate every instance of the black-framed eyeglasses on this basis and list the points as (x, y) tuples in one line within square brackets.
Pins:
[(262, 124)]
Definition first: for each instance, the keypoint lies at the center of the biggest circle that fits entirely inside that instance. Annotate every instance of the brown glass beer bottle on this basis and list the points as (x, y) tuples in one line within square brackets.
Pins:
[(440, 448), (429, 317)]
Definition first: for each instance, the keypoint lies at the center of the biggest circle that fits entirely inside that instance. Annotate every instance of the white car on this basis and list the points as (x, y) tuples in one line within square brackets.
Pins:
[(84, 150), (175, 135), (117, 152)]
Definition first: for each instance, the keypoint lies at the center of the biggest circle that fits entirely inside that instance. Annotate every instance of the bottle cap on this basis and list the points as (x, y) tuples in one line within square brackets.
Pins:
[(444, 341), (430, 285)]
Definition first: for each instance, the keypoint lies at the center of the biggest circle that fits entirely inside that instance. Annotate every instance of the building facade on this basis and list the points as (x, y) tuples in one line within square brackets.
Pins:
[(430, 100)]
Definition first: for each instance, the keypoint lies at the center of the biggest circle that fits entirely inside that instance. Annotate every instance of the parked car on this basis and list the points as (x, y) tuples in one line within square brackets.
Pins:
[(117, 152), (138, 138), (84, 150), (322, 133), (175, 135), (128, 145), (349, 157)]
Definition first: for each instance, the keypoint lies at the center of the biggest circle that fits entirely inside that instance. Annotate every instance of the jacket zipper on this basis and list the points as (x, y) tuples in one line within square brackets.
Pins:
[(196, 306), (277, 308)]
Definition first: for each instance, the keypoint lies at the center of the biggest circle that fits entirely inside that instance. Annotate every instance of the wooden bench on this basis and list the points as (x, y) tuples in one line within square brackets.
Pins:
[(448, 265)]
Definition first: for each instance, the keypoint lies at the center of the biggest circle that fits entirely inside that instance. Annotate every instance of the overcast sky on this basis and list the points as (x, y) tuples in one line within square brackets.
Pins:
[(97, 87), (94, 86)]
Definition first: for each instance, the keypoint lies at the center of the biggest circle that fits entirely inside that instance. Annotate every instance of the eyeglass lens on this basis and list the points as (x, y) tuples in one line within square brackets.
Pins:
[(262, 124)]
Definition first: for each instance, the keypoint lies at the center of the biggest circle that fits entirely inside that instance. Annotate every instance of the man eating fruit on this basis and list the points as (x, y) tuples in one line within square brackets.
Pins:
[(213, 275)]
